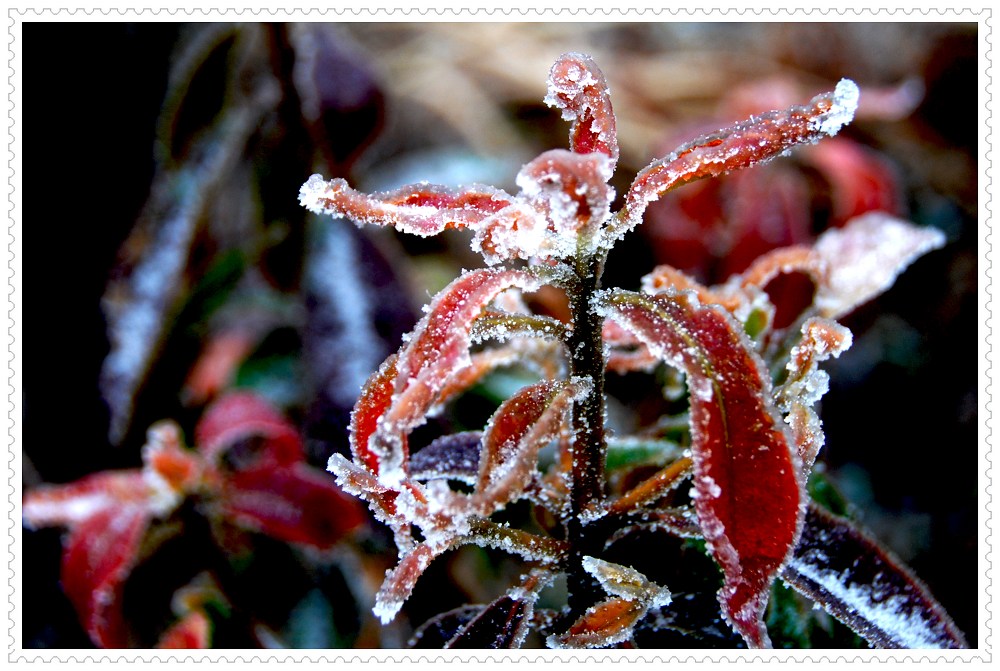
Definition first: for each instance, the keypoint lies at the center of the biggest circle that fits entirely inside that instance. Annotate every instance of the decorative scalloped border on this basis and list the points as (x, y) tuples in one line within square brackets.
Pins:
[(981, 15)]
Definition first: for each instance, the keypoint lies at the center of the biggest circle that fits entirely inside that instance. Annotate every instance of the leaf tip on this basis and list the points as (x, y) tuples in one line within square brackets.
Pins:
[(843, 104)]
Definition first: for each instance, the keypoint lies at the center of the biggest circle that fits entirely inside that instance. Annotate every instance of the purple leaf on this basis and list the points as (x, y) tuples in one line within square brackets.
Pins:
[(865, 587)]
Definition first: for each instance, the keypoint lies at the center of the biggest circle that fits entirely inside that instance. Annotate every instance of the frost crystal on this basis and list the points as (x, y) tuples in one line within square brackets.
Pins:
[(843, 104)]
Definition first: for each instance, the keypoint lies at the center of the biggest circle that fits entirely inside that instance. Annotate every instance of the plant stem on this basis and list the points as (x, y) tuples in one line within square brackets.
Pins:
[(589, 450)]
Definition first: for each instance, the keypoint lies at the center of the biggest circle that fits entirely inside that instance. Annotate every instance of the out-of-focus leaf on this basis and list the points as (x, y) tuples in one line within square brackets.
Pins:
[(624, 452), (295, 504), (98, 556), (217, 365), (340, 100), (747, 486), (865, 587), (311, 624), (193, 631), (860, 181), (356, 314), (142, 296), (240, 416)]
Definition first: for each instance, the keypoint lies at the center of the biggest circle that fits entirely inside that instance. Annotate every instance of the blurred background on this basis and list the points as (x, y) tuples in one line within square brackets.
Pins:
[(167, 258)]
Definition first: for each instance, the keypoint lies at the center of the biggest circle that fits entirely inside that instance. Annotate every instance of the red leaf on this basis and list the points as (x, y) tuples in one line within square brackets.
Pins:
[(420, 209), (742, 145), (295, 504), (193, 632), (866, 588), (77, 502), (243, 415), (437, 351), (97, 559), (860, 181), (578, 87), (399, 582), (376, 396), (520, 427), (747, 488)]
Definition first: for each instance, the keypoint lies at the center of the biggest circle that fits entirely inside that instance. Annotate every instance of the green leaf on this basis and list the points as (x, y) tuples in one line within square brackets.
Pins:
[(636, 452)]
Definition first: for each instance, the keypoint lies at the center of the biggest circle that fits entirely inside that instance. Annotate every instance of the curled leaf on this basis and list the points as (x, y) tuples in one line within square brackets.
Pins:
[(747, 487), (375, 399), (821, 339), (399, 582), (578, 88)]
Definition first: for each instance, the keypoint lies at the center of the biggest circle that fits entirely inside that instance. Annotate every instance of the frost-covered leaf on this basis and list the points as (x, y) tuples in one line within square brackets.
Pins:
[(98, 557), (865, 587), (141, 298), (437, 631), (400, 581), (745, 144), (612, 621), (571, 192), (747, 487), (295, 504), (155, 490), (821, 339), (865, 257), (517, 431), (654, 487), (419, 209), (437, 350), (578, 87), (501, 624), (376, 396), (356, 313), (455, 457)]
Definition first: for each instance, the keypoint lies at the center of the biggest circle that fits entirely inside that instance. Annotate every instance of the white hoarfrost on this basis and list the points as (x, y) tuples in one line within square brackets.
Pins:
[(841, 112), (894, 614), (865, 257)]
